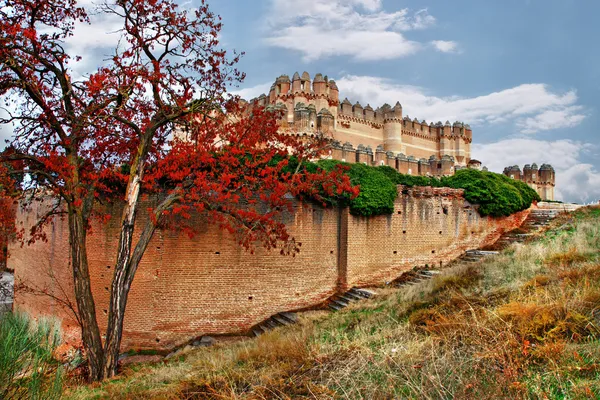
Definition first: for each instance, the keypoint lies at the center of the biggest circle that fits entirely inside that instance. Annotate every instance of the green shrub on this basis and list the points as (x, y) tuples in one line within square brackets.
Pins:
[(409, 180), (377, 191), (27, 367), (496, 194)]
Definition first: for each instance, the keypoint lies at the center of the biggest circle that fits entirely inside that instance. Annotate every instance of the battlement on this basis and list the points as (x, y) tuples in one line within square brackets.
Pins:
[(542, 179), (405, 164)]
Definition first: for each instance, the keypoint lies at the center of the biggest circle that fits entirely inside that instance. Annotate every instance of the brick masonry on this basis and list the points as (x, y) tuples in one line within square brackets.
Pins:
[(187, 287)]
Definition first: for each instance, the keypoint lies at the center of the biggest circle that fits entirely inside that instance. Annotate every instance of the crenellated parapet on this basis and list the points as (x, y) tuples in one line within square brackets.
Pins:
[(541, 179)]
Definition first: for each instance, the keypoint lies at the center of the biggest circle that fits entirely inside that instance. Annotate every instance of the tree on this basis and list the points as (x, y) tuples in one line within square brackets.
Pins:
[(115, 135)]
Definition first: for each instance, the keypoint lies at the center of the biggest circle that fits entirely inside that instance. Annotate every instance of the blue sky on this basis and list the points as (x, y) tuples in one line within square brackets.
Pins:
[(525, 74)]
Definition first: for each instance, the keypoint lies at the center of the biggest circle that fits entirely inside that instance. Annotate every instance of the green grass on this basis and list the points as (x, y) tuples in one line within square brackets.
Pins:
[(523, 324), (28, 369)]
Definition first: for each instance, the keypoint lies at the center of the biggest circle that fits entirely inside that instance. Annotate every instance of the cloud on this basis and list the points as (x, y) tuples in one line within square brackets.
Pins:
[(253, 91), (445, 46), (360, 29), (532, 107), (576, 180), (556, 118)]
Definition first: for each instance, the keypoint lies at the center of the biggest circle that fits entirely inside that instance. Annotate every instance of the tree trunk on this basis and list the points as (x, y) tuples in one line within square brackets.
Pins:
[(86, 308), (127, 264)]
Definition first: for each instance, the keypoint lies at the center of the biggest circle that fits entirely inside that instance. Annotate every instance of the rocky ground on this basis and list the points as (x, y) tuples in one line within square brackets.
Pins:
[(7, 281)]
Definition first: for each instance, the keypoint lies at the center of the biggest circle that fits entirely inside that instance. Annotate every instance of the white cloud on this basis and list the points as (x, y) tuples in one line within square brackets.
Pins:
[(555, 118), (445, 46), (252, 92), (533, 107), (357, 28), (576, 180)]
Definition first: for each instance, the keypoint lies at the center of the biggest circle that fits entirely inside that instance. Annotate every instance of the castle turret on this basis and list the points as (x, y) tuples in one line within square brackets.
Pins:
[(296, 83), (272, 94), (325, 121), (301, 117), (357, 111), (346, 107), (312, 117), (334, 92), (319, 85), (282, 85), (369, 113), (305, 82), (529, 175), (392, 127)]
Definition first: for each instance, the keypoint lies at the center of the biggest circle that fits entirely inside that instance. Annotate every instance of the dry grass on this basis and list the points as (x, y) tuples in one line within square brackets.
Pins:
[(524, 324)]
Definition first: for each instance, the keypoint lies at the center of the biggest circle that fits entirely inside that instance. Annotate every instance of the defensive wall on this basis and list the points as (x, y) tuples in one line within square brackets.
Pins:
[(188, 287)]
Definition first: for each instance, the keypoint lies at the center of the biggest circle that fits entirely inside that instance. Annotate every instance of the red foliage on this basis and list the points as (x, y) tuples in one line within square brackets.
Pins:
[(112, 135)]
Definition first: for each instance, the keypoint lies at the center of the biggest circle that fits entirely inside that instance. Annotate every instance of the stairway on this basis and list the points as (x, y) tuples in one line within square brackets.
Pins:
[(340, 301), (537, 219), (413, 277), (277, 320)]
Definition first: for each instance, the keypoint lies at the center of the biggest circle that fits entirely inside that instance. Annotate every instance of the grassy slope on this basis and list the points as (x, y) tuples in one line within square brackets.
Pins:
[(522, 325)]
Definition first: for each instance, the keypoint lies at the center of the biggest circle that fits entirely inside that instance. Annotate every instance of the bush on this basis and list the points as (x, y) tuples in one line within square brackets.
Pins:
[(409, 180), (377, 191), (27, 365), (497, 195)]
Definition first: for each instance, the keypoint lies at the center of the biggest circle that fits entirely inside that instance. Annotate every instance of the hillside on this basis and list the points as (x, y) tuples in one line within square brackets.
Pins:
[(523, 324)]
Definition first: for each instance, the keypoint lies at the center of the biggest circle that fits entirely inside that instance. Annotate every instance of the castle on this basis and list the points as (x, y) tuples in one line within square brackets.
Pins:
[(310, 107), (381, 136), (542, 180)]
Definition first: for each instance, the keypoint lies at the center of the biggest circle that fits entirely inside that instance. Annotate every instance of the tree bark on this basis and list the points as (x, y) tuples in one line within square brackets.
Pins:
[(86, 307), (123, 279)]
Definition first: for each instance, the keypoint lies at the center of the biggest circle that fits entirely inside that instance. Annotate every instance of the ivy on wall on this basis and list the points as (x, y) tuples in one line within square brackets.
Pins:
[(497, 195)]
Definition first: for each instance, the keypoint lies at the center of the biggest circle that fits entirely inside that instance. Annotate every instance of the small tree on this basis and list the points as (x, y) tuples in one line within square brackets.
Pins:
[(114, 135)]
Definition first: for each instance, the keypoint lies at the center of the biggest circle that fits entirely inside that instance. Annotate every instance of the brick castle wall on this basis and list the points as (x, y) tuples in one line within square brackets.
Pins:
[(188, 287)]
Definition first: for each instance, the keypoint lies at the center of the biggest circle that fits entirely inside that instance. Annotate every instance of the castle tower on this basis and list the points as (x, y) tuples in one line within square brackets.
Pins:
[(312, 117), (305, 82), (392, 128), (301, 117), (357, 111), (458, 132), (542, 180), (282, 85), (296, 83), (546, 182), (346, 107), (325, 121), (369, 114), (319, 85), (334, 92), (446, 139)]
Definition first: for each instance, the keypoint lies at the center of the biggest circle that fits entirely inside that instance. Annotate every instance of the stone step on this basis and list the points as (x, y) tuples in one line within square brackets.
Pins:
[(361, 292), (280, 320), (272, 324), (347, 298), (293, 318), (340, 302), (352, 296), (432, 272)]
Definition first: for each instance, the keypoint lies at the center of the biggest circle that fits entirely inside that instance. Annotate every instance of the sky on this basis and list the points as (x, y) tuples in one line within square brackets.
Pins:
[(523, 73)]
